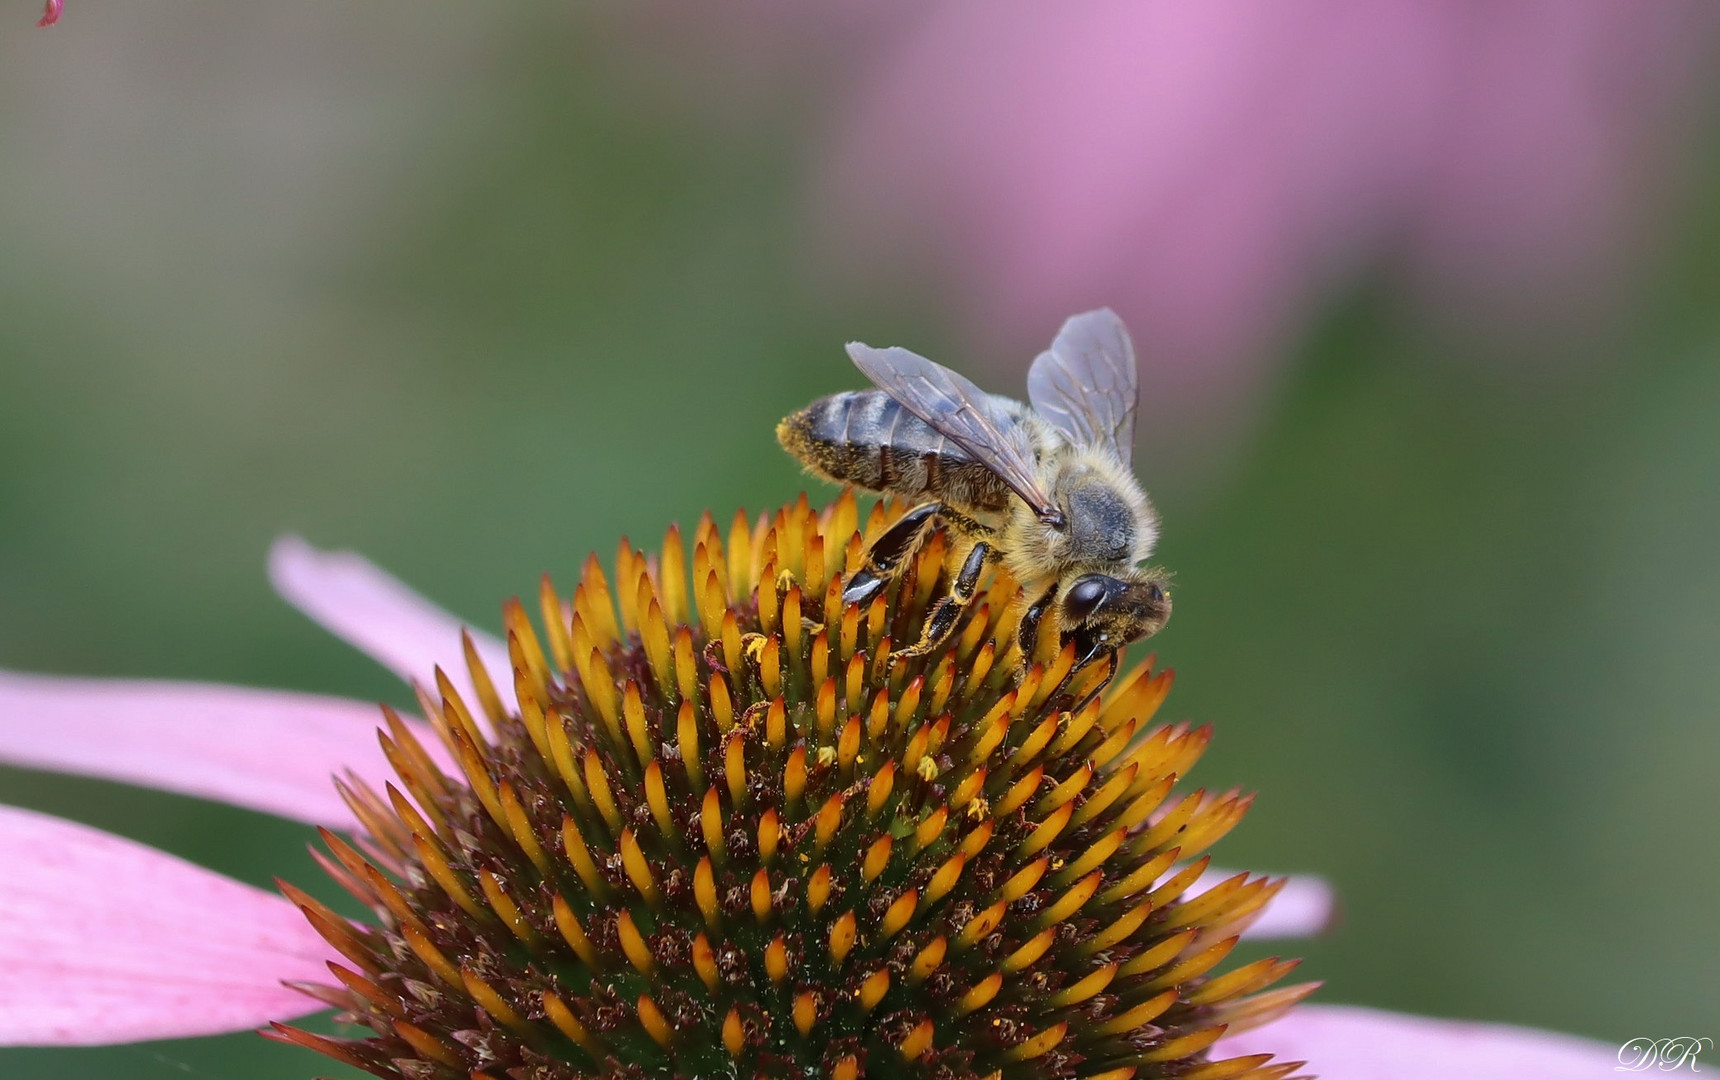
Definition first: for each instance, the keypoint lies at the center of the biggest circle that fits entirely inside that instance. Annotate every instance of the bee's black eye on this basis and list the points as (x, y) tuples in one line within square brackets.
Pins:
[(1086, 596)]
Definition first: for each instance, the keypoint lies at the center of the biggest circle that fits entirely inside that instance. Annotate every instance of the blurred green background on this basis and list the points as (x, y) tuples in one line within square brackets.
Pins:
[(476, 295)]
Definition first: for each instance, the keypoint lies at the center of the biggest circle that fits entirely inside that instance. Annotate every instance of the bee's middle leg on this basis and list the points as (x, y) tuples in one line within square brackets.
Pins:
[(1027, 631), (941, 620), (887, 553)]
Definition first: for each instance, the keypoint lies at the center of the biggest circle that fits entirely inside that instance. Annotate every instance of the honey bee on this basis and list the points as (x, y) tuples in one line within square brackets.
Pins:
[(1048, 490)]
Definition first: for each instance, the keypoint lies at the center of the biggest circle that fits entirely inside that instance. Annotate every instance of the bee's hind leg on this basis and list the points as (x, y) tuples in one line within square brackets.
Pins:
[(885, 555), (942, 619)]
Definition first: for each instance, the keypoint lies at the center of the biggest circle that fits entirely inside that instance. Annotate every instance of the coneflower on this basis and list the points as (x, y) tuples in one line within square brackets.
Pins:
[(106, 940), (708, 826)]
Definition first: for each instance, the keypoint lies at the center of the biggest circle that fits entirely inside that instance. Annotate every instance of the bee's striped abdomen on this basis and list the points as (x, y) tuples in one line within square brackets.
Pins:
[(865, 438)]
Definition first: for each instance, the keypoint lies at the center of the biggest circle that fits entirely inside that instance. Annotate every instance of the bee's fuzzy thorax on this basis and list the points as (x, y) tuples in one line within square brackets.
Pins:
[(706, 828), (1111, 522)]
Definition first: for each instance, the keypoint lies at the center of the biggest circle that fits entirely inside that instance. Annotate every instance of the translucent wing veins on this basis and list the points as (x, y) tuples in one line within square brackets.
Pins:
[(962, 413), (1085, 384)]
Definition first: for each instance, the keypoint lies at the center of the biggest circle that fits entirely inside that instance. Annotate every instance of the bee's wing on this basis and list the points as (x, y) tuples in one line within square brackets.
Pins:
[(962, 413), (1085, 386)]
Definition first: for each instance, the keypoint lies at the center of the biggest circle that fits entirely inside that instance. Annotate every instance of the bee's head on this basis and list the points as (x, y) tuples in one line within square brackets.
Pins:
[(1101, 612)]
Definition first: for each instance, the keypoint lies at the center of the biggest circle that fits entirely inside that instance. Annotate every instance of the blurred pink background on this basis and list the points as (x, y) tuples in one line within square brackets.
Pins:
[(1212, 169)]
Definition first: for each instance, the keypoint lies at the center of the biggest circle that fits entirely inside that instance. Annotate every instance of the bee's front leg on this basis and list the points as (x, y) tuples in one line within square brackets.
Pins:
[(942, 619), (886, 554), (1090, 646)]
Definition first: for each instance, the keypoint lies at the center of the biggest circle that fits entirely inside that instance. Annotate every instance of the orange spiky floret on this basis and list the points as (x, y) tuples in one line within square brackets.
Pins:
[(718, 830)]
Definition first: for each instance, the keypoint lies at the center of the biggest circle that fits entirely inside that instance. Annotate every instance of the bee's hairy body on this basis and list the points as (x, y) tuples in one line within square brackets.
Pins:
[(867, 439), (1048, 490)]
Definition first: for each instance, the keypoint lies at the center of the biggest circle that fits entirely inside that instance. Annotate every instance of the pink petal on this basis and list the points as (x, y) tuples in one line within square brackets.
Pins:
[(375, 612), (267, 750), (51, 12), (1343, 1042), (1305, 906), (105, 941)]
